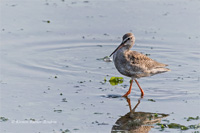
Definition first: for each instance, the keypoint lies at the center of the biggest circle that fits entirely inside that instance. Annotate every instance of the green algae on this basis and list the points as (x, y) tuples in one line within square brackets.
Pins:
[(58, 111), (116, 80), (3, 119), (151, 100), (178, 126), (193, 118)]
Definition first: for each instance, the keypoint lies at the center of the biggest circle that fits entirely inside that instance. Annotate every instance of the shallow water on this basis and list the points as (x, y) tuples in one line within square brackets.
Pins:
[(52, 81)]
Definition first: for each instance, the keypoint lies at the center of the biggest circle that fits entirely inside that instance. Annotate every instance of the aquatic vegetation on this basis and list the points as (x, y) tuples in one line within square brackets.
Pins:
[(192, 118), (106, 59), (81, 82), (112, 96), (156, 115), (3, 119), (65, 131), (151, 100), (197, 126), (64, 100), (46, 21), (32, 119), (58, 111), (116, 80), (178, 126), (98, 113)]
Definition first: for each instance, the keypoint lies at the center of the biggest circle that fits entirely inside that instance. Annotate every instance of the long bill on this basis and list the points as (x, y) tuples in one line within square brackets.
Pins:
[(120, 46)]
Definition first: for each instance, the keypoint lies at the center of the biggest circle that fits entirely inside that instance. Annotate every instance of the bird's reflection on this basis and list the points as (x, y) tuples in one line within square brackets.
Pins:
[(137, 122)]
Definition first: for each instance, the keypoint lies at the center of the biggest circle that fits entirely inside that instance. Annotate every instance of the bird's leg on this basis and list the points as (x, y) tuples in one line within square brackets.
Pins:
[(129, 91), (142, 92)]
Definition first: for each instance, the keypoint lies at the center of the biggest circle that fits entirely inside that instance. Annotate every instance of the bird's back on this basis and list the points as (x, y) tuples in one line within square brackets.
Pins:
[(144, 63)]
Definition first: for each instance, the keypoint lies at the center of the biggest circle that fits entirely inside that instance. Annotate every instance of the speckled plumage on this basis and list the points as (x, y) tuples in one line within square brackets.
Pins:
[(134, 64)]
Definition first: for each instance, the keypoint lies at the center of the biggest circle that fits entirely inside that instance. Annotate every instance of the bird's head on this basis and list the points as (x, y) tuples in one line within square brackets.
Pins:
[(128, 41)]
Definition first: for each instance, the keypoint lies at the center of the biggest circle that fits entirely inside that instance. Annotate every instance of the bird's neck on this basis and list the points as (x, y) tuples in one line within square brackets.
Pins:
[(126, 48)]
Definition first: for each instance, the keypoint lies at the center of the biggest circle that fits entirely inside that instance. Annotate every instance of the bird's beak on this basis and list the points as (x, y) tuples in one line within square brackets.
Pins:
[(120, 46)]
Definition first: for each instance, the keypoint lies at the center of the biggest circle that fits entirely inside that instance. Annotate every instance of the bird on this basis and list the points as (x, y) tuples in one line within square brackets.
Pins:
[(134, 64)]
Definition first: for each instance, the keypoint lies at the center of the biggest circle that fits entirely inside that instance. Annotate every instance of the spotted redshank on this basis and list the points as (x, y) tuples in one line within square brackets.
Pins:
[(134, 64)]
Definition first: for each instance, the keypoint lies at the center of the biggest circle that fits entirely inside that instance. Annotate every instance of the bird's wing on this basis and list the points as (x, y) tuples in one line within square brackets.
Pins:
[(142, 60)]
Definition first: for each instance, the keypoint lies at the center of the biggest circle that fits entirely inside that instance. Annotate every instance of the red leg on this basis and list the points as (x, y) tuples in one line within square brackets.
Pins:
[(142, 92), (129, 91)]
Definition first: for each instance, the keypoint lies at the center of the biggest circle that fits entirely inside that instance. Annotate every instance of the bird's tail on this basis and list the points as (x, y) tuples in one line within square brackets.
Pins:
[(160, 70)]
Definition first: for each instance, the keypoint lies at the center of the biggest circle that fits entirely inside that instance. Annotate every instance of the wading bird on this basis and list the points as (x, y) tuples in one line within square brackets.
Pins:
[(134, 64)]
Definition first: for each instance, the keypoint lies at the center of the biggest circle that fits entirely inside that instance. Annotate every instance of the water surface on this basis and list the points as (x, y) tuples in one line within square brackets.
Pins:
[(52, 81)]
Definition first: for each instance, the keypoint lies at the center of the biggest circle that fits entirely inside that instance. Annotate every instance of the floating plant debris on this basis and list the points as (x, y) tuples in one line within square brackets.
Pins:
[(98, 113), (58, 111), (192, 118), (81, 82), (3, 119), (178, 126), (65, 131), (64, 100), (175, 125), (47, 21), (104, 80), (151, 100), (156, 115), (106, 59), (112, 96), (116, 80)]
